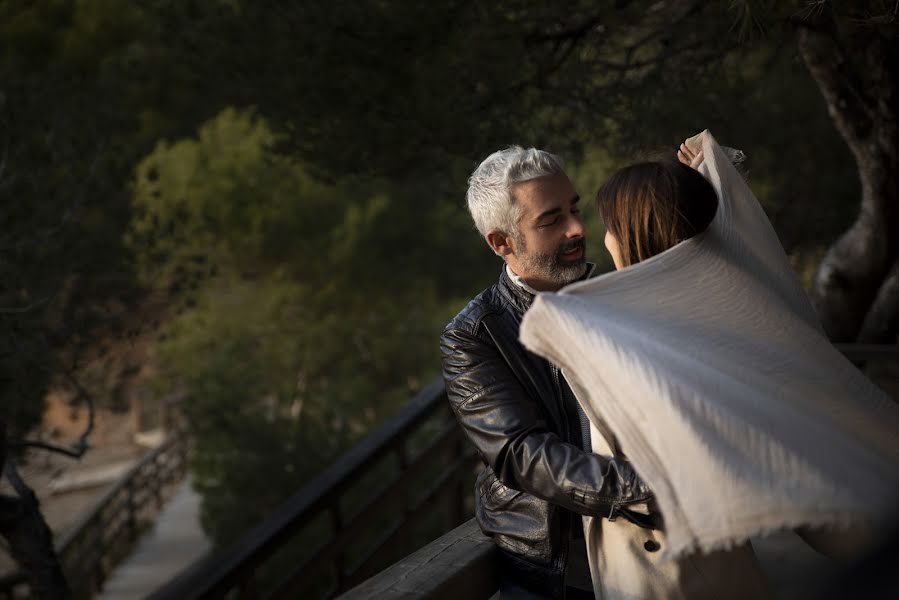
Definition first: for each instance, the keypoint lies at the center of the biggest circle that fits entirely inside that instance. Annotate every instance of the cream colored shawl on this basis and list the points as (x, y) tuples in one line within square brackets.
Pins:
[(708, 365)]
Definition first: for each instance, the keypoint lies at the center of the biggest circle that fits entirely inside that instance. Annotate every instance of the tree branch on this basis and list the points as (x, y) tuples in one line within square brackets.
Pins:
[(24, 309), (571, 33), (78, 449), (73, 452), (838, 81), (668, 27), (83, 394), (628, 65), (577, 35), (18, 484)]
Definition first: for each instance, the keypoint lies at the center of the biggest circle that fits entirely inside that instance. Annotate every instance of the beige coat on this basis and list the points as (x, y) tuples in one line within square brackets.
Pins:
[(623, 569), (626, 563)]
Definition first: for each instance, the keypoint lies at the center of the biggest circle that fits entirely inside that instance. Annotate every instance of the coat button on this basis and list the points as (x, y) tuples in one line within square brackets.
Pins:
[(651, 545)]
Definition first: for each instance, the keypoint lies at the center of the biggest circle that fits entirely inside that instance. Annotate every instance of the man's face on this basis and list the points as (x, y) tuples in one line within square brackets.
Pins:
[(549, 246)]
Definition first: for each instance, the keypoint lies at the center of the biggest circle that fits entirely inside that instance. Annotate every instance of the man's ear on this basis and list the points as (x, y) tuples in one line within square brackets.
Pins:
[(500, 242)]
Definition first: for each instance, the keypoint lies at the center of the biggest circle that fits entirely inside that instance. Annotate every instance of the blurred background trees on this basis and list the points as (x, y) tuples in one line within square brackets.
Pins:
[(275, 188)]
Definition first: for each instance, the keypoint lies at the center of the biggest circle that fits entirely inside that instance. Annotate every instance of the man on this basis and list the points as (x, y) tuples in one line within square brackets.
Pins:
[(517, 409)]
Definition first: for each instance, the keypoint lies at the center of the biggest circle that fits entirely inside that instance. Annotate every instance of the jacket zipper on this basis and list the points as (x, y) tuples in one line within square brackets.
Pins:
[(562, 403), (566, 515)]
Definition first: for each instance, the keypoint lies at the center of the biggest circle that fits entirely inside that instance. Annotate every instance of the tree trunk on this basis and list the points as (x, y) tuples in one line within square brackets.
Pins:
[(31, 541), (882, 320), (856, 67)]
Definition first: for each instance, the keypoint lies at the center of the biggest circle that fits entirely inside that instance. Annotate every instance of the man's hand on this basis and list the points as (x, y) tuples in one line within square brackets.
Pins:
[(688, 157)]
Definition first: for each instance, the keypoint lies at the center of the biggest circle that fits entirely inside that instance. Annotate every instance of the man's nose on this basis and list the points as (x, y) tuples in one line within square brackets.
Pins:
[(576, 227)]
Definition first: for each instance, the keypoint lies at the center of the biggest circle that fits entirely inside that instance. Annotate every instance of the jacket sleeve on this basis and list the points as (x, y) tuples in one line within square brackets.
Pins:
[(508, 429)]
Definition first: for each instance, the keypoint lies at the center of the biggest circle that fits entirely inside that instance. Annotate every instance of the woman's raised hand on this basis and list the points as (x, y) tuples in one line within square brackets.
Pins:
[(688, 157)]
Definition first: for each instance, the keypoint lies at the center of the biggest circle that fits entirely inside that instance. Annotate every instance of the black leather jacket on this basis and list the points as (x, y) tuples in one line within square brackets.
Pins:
[(521, 416)]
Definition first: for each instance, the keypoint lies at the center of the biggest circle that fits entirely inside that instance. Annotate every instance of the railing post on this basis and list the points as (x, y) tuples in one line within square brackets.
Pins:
[(247, 589), (402, 459), (157, 482), (457, 498), (402, 455), (96, 570), (132, 511), (340, 557)]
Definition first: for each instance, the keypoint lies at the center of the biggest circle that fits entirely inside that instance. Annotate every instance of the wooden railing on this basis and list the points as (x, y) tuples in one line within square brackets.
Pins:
[(458, 564), (105, 534), (410, 475)]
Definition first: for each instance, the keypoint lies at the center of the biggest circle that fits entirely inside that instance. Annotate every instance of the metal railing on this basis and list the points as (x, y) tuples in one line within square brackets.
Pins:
[(353, 519), (102, 537)]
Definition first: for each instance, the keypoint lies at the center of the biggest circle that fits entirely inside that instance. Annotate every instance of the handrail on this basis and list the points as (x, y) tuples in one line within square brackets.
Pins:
[(102, 536), (235, 568), (857, 353), (458, 564)]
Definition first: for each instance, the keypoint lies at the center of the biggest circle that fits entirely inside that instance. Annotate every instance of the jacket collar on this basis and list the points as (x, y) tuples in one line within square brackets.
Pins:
[(520, 295)]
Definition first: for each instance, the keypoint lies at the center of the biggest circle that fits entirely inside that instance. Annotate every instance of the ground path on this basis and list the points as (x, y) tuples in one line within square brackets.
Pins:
[(174, 542)]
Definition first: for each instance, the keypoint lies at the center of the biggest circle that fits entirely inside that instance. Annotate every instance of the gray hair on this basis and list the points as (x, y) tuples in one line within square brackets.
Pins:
[(489, 196)]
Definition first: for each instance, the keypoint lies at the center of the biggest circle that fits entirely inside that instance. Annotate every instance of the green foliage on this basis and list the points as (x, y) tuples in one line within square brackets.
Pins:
[(240, 359), (226, 198), (80, 83), (296, 337)]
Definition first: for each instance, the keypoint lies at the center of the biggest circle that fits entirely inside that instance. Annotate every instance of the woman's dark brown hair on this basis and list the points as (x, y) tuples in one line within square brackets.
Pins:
[(649, 207)]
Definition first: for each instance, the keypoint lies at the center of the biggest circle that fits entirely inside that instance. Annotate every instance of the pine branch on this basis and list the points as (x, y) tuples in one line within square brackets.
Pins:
[(78, 449)]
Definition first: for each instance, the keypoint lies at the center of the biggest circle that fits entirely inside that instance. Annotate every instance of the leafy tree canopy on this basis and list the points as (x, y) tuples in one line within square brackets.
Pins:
[(294, 335)]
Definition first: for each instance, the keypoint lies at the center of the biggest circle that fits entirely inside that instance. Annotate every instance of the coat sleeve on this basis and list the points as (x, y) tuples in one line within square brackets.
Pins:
[(508, 430)]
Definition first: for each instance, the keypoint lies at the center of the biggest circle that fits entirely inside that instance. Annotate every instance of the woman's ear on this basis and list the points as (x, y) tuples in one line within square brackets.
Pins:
[(614, 249)]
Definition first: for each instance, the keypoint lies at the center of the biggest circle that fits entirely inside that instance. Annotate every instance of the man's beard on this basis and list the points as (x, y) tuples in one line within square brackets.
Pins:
[(552, 266)]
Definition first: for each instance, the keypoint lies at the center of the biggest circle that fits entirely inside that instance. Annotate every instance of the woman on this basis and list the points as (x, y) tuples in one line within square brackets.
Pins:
[(650, 207), (702, 361)]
